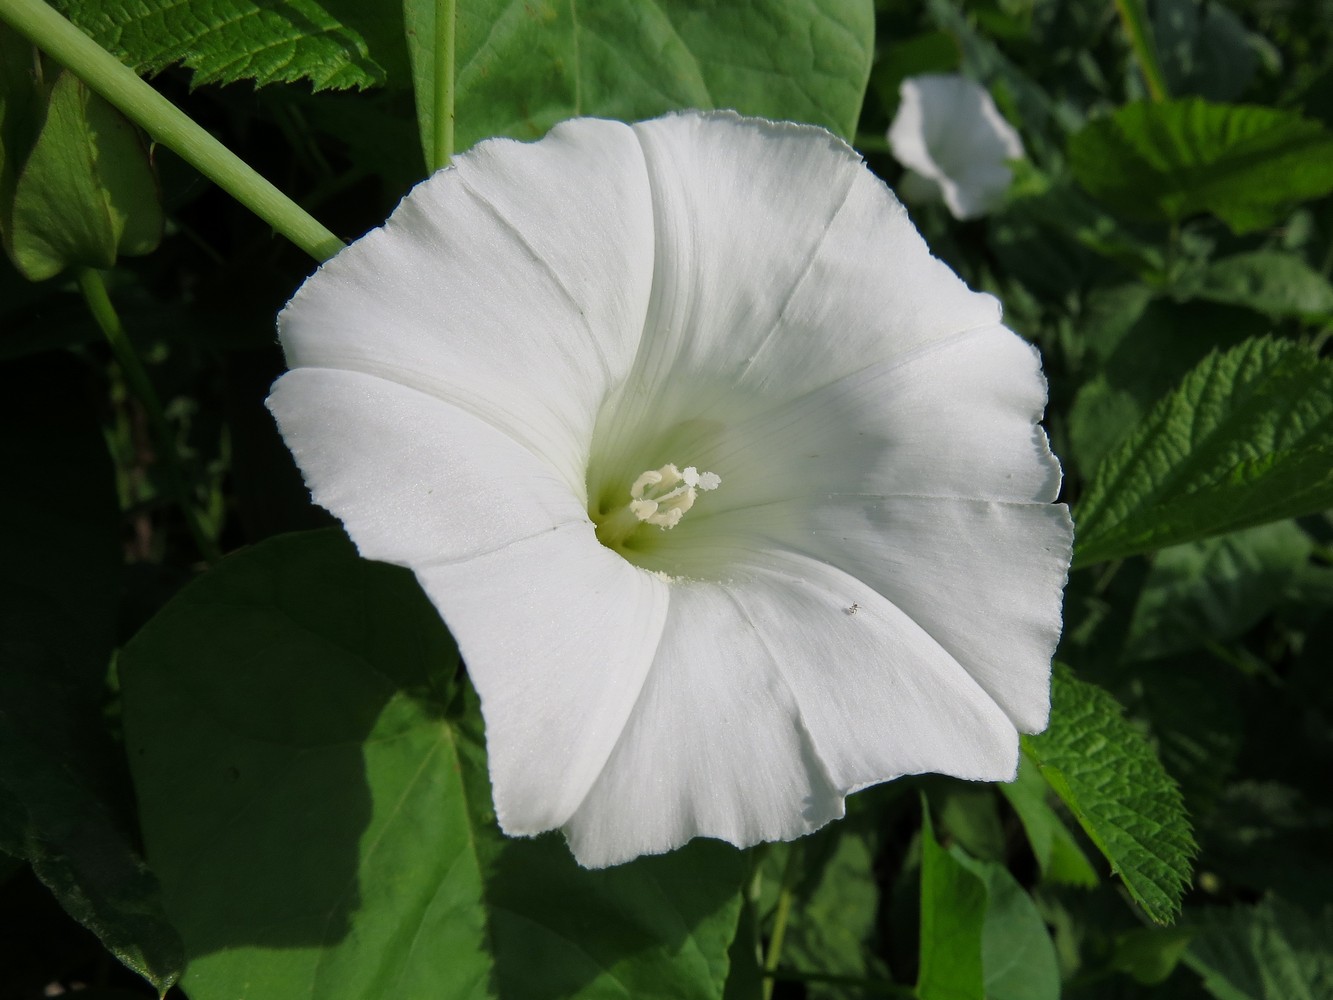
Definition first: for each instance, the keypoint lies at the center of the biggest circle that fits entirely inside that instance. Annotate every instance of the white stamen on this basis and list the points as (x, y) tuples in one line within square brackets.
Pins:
[(662, 496)]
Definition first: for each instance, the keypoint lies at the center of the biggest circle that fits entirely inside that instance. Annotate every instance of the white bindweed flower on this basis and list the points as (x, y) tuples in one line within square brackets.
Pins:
[(734, 497), (954, 143)]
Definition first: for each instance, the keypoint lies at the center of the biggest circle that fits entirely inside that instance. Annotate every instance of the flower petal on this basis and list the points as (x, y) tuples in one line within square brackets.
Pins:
[(791, 700), (948, 130), (782, 264), (957, 418), (983, 579), (514, 285), (558, 634), (413, 479)]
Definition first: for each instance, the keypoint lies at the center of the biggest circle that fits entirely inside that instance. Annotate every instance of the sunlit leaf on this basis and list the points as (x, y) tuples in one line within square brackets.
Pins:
[(1246, 438), (1113, 783), (1166, 161)]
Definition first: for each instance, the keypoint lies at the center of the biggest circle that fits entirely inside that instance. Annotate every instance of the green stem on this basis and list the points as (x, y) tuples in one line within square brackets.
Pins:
[(99, 304), (1135, 21), (446, 18), (781, 914), (166, 123)]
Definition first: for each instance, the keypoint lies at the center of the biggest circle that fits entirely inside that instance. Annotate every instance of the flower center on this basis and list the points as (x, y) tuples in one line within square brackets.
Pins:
[(659, 497)]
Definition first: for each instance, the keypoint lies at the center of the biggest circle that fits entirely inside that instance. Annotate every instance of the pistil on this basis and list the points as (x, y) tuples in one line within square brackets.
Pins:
[(659, 497)]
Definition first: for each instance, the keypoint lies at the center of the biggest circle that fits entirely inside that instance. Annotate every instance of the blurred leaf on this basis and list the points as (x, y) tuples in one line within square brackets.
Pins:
[(1150, 954), (1163, 162), (1058, 854), (1016, 950), (953, 919), (832, 927), (1216, 589), (1268, 281), (929, 52), (314, 796), (331, 43), (87, 192), (1246, 438), (522, 67), (968, 813), (1270, 951), (61, 778), (1115, 786), (1204, 49)]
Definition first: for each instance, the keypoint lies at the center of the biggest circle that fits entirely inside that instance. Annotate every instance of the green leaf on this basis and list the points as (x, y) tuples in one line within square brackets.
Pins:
[(1150, 954), (1215, 590), (1246, 438), (1113, 783), (1204, 49), (522, 67), (1163, 162), (314, 796), (833, 923), (1268, 281), (62, 783), (330, 43), (87, 192), (1058, 854), (1271, 951), (1016, 951), (953, 919)]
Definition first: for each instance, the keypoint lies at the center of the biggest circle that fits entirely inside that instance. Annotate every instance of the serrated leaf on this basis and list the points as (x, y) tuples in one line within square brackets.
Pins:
[(86, 193), (1166, 161), (316, 802), (330, 43), (1115, 786), (1246, 438), (1268, 281), (1270, 951), (522, 67), (953, 918)]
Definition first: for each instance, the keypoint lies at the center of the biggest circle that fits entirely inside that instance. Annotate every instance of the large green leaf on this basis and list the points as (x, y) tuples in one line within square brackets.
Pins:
[(1108, 775), (314, 796), (1163, 162), (63, 786), (330, 43), (953, 917), (1271, 951), (523, 66), (1017, 957), (1246, 438), (1059, 856), (86, 193)]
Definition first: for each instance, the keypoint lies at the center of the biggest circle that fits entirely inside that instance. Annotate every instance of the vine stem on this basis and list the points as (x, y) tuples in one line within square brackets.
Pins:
[(99, 304), (166, 123), (1135, 21), (446, 19), (790, 873)]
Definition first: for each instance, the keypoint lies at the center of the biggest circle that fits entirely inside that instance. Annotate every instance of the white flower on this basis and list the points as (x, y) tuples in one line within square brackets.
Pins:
[(953, 142), (733, 496)]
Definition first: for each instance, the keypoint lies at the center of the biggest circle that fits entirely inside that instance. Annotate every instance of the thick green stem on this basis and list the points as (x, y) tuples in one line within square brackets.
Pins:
[(1135, 21), (166, 123), (446, 19), (790, 873), (99, 304)]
